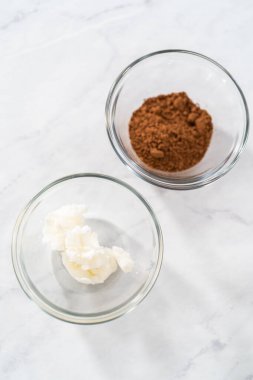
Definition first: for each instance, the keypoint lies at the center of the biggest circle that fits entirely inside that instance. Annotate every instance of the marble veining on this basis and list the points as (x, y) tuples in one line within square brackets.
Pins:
[(58, 60)]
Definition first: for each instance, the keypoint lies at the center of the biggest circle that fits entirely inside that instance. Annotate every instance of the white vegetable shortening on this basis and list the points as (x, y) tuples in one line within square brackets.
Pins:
[(82, 255)]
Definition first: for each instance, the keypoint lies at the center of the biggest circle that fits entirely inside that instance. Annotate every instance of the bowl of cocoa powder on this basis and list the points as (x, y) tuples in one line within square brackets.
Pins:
[(177, 119)]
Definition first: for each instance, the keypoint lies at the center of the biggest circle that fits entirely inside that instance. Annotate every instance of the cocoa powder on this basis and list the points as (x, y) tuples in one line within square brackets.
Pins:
[(170, 132)]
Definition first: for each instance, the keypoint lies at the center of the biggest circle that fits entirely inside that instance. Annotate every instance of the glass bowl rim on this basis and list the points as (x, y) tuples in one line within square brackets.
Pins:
[(79, 318), (176, 183)]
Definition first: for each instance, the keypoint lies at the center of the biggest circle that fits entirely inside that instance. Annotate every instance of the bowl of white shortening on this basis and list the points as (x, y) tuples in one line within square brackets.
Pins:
[(87, 248)]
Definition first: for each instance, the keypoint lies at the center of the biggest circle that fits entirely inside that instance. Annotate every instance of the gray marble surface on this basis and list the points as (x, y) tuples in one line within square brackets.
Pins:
[(58, 59)]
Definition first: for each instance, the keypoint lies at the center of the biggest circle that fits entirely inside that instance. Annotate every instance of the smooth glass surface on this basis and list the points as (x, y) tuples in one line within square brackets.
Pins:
[(121, 217), (206, 83)]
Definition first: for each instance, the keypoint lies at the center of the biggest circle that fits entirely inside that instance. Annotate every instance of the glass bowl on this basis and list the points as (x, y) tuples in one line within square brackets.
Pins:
[(121, 217), (207, 83)]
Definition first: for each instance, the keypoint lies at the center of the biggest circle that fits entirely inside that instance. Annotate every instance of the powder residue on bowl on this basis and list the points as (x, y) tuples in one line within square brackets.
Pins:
[(170, 132)]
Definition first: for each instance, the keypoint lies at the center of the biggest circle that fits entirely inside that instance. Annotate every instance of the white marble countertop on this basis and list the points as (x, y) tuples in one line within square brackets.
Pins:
[(58, 59)]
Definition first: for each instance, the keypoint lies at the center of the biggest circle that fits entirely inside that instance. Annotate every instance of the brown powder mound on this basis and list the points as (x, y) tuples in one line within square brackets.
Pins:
[(170, 132)]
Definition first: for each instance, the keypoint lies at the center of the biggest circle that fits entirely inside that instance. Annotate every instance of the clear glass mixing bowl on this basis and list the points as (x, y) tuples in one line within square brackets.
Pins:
[(121, 217), (207, 83)]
